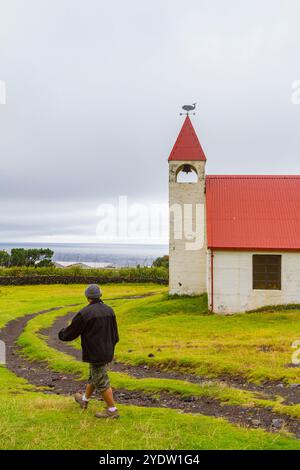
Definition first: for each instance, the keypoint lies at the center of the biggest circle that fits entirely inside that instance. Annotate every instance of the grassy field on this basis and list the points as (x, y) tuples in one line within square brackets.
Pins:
[(182, 336)]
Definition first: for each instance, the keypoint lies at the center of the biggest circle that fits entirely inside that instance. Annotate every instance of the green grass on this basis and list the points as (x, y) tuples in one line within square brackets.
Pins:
[(18, 301), (181, 335), (33, 346), (31, 420), (179, 332)]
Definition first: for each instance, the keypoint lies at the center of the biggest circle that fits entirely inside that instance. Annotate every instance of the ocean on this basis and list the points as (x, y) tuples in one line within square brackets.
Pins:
[(98, 254)]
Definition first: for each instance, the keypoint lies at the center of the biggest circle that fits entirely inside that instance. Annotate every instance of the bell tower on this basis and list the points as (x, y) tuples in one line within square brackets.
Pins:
[(187, 242)]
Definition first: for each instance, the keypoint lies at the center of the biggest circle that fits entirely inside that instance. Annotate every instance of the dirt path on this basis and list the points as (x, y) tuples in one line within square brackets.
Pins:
[(39, 375), (268, 390)]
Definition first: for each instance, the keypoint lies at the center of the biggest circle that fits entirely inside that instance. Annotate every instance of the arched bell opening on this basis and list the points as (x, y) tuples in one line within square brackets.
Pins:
[(186, 174)]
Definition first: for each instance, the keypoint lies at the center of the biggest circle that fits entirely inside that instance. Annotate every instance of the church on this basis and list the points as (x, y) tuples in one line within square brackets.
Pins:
[(234, 237)]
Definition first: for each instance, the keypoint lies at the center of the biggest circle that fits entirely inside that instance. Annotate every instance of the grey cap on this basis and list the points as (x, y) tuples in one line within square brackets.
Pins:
[(93, 291)]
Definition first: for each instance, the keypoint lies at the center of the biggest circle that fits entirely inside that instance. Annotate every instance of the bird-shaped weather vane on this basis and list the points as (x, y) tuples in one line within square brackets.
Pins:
[(188, 108)]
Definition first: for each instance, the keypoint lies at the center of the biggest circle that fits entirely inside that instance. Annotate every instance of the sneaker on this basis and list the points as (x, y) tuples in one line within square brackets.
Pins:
[(78, 398), (107, 414)]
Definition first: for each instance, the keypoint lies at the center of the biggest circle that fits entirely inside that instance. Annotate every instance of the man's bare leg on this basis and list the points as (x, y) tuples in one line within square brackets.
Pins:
[(108, 397), (111, 410), (89, 391), (83, 400)]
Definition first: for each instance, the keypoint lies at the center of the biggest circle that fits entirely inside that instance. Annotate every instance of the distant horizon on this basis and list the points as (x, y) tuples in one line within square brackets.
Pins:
[(117, 254)]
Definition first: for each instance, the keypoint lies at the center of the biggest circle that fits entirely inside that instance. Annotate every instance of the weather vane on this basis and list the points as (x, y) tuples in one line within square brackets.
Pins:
[(188, 108)]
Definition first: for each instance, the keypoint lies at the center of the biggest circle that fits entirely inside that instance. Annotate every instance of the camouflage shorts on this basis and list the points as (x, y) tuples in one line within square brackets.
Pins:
[(98, 377)]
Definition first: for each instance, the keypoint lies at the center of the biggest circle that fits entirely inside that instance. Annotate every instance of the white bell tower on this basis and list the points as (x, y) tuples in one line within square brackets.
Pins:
[(187, 243)]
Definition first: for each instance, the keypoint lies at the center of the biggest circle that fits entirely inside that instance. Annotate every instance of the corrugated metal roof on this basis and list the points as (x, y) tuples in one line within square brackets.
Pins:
[(187, 146), (253, 212)]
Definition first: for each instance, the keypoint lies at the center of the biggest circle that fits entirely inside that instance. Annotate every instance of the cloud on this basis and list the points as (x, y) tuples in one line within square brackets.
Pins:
[(93, 93)]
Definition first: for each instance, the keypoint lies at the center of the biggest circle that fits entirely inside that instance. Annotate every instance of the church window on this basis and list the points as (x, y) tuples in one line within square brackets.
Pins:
[(267, 272)]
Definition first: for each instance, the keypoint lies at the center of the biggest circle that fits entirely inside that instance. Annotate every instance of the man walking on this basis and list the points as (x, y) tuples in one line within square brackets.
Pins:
[(97, 326)]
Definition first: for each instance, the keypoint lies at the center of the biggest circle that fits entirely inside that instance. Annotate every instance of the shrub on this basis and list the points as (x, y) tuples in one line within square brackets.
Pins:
[(76, 275), (162, 261), (4, 258)]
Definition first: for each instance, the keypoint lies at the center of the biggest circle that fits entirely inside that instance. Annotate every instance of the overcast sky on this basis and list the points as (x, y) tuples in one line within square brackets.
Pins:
[(94, 90)]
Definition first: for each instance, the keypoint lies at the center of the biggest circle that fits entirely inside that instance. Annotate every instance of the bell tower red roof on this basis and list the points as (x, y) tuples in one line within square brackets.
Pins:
[(187, 146)]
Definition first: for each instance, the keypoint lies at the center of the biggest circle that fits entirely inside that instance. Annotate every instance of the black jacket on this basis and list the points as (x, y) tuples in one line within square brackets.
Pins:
[(96, 324)]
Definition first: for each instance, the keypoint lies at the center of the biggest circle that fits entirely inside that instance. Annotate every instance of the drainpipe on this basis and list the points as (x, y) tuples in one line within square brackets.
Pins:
[(212, 280)]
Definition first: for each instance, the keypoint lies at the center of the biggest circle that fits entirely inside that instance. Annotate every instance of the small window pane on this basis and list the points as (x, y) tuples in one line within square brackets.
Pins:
[(267, 272)]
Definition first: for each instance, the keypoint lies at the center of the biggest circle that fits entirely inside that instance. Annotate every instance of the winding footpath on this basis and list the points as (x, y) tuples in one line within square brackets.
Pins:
[(268, 390), (40, 375)]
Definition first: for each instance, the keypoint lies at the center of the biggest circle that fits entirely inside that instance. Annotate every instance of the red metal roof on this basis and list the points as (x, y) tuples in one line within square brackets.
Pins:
[(253, 212), (187, 146)]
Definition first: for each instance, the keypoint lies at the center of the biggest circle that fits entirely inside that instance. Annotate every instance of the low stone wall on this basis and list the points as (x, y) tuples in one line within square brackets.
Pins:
[(34, 280)]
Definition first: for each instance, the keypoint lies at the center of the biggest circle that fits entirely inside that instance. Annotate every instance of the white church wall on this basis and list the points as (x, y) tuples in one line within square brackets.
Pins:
[(233, 282), (187, 266)]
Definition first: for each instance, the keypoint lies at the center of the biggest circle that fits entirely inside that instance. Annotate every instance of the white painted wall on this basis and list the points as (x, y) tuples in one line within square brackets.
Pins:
[(187, 270), (233, 282)]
